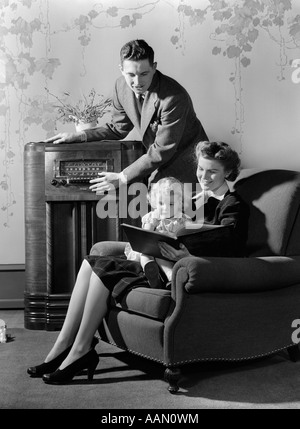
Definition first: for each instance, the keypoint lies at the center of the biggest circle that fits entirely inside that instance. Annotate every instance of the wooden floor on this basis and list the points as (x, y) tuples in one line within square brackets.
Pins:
[(12, 318)]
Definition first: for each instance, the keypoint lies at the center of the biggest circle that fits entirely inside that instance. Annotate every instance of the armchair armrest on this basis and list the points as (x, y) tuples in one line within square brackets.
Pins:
[(108, 248), (236, 274)]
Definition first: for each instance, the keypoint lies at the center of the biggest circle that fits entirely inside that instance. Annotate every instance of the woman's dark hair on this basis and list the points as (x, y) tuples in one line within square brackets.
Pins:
[(137, 50), (223, 153)]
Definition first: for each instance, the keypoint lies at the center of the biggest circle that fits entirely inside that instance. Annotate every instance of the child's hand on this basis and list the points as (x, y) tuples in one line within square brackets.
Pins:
[(150, 226), (172, 254)]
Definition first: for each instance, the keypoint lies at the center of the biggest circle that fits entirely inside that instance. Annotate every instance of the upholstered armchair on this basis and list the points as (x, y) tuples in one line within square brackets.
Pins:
[(222, 309)]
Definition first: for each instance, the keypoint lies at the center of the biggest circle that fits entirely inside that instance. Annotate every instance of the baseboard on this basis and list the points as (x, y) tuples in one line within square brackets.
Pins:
[(12, 267), (12, 303), (12, 285)]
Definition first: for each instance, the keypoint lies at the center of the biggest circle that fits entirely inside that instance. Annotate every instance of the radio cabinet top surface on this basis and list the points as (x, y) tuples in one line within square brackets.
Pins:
[(103, 145)]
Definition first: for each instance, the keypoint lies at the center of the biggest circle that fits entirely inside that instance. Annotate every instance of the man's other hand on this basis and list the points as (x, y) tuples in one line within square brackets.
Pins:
[(64, 138), (106, 182)]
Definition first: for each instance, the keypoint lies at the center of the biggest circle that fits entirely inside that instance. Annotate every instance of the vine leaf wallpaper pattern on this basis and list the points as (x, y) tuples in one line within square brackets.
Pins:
[(26, 69), (18, 68), (238, 27)]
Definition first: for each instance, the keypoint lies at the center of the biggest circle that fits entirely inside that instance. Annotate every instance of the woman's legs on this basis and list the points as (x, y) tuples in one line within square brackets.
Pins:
[(95, 308), (74, 313)]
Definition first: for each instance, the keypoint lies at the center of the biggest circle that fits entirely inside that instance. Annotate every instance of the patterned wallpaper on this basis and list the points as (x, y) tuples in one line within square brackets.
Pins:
[(56, 44)]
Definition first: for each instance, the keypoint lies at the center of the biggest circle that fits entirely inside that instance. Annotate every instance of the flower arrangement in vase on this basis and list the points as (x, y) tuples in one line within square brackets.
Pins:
[(85, 113)]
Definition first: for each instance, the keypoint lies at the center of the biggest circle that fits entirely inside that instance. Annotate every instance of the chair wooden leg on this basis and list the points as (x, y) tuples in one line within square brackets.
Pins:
[(172, 376), (294, 353)]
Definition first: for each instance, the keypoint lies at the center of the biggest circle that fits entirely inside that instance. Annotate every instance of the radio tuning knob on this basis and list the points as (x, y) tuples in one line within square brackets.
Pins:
[(54, 182), (63, 182)]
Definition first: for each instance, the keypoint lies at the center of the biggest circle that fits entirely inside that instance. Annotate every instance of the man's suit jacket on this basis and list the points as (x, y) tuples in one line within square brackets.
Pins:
[(168, 126)]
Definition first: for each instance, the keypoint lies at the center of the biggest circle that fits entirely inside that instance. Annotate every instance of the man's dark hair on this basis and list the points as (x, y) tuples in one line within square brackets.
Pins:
[(137, 50)]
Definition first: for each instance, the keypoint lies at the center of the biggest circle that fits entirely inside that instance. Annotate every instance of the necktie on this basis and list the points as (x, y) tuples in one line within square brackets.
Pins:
[(140, 102)]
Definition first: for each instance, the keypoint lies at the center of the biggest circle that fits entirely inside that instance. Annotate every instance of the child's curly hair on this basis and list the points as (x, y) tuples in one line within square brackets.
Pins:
[(168, 184), (223, 153)]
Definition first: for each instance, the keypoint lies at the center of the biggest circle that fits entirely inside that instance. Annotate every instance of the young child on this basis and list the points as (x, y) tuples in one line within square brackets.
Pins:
[(166, 217)]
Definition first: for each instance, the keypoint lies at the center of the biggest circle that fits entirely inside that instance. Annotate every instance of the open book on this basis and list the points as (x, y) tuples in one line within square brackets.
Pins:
[(205, 240)]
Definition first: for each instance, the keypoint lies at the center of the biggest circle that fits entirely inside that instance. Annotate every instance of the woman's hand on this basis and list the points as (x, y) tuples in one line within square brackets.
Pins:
[(173, 254), (64, 138)]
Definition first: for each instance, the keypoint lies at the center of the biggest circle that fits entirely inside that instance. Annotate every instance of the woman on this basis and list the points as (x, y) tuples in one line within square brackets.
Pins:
[(102, 276)]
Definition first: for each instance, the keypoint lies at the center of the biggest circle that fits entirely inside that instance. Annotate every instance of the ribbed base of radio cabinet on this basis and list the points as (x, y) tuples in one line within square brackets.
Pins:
[(61, 222), (45, 312)]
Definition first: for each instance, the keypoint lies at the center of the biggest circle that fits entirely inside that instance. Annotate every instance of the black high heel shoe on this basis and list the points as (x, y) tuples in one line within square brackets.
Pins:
[(52, 365), (88, 361)]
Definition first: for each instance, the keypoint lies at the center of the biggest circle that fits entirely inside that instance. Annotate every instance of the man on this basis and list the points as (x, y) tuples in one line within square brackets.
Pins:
[(162, 112)]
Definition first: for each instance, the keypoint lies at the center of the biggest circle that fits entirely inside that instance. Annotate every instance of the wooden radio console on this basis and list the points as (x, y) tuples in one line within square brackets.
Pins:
[(61, 223)]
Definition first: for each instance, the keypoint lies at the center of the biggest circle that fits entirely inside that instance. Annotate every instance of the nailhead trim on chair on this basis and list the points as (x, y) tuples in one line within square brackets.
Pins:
[(232, 359), (136, 353), (203, 359)]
